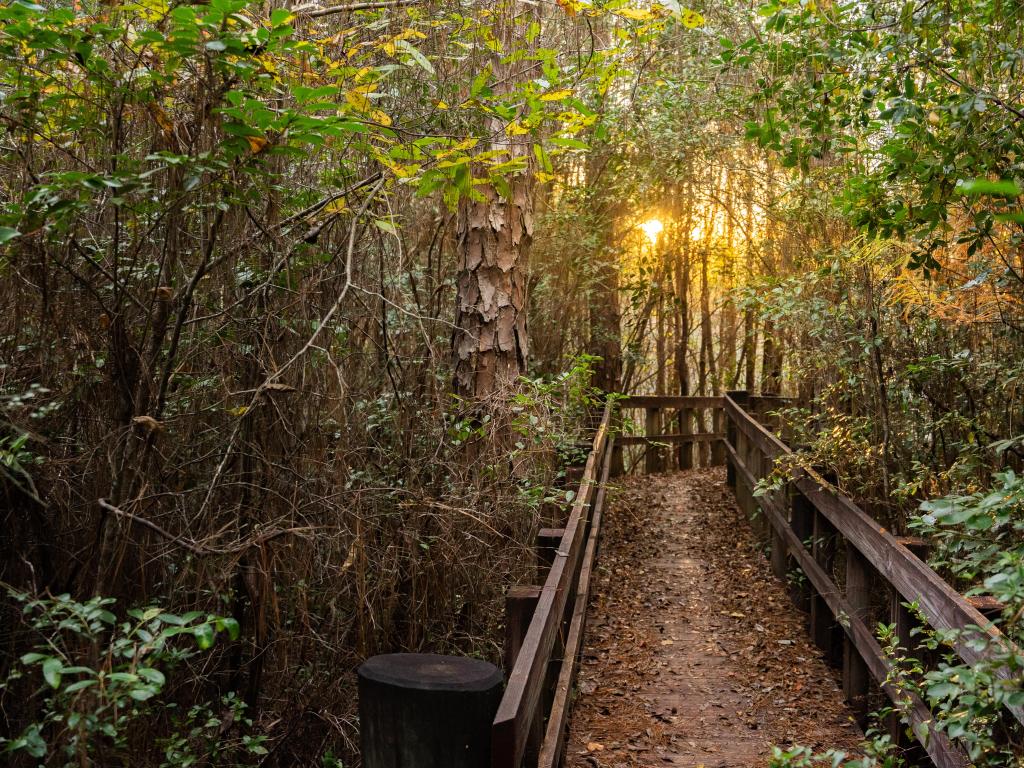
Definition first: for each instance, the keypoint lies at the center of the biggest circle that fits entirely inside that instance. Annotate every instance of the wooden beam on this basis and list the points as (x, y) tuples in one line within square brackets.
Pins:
[(518, 706), (704, 437), (561, 705), (943, 753), (669, 401)]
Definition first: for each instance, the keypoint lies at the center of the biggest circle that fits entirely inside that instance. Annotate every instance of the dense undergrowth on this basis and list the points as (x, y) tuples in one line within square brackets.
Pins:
[(238, 251)]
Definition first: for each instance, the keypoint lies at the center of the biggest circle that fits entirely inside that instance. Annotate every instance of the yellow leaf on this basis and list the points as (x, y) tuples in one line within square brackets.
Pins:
[(515, 128), (691, 19), (556, 95), (442, 105), (543, 176), (358, 100), (257, 143), (637, 14), (380, 117), (239, 411)]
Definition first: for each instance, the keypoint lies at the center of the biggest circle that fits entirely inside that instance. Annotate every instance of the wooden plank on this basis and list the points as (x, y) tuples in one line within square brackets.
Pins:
[(669, 401), (942, 606), (703, 437), (653, 455), (856, 679), (943, 753), (554, 737), (523, 691)]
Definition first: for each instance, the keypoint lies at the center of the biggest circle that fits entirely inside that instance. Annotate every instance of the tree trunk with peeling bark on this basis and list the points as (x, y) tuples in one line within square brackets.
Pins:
[(490, 343)]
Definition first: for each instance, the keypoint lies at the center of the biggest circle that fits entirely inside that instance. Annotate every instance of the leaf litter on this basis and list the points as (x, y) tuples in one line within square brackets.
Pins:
[(695, 655)]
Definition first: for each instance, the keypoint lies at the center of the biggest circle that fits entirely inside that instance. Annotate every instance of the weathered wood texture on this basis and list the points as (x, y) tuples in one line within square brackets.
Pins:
[(684, 448), (539, 680), (426, 710), (874, 559)]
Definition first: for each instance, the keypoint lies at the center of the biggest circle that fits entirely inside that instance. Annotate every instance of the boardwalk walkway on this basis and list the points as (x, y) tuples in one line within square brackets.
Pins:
[(694, 654)]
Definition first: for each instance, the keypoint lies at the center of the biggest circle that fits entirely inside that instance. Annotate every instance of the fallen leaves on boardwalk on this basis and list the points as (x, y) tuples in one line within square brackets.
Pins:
[(694, 654)]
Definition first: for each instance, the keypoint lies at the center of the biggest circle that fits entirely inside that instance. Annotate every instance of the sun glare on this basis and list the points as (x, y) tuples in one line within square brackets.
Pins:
[(652, 228)]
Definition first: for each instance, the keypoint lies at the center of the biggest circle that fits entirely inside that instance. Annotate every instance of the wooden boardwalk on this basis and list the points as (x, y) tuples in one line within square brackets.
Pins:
[(695, 655)]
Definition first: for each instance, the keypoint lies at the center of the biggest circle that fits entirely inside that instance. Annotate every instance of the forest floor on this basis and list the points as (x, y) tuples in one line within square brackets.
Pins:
[(694, 654)]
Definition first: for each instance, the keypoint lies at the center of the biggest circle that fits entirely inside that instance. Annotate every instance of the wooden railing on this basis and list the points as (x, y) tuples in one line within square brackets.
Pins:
[(679, 424), (816, 529), (544, 626)]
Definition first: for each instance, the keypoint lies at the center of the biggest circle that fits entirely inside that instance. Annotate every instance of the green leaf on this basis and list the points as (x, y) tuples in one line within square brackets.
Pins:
[(1003, 188), (418, 57), (232, 627), (7, 233), (52, 668), (203, 633), (154, 676)]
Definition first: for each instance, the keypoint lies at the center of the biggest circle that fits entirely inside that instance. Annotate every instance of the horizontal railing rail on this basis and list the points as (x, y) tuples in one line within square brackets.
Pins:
[(811, 524), (678, 422), (545, 624)]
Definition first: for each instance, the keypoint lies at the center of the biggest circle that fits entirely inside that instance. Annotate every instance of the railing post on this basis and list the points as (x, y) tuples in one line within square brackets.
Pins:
[(520, 604), (856, 678), (548, 540), (618, 466), (427, 710), (652, 453), (826, 633), (685, 450), (905, 622), (717, 449), (802, 522), (739, 397)]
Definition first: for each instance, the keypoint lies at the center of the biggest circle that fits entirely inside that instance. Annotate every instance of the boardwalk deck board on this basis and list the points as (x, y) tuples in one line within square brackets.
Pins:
[(694, 653)]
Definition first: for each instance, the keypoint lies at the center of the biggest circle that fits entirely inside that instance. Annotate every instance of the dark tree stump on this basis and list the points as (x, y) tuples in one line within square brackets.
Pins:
[(419, 710)]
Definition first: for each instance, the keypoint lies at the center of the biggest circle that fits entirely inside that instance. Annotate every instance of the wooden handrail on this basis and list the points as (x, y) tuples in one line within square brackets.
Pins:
[(526, 680), (669, 401), (941, 605)]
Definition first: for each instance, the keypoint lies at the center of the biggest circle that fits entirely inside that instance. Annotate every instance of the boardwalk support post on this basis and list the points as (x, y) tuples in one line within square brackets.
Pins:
[(802, 521), (739, 397), (427, 710), (856, 678)]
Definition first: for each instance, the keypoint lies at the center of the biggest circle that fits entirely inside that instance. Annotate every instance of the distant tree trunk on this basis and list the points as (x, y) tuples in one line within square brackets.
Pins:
[(727, 317), (659, 384), (771, 350), (749, 321), (685, 452), (605, 319)]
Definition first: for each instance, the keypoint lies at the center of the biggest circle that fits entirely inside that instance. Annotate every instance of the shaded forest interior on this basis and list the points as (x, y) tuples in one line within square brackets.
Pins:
[(307, 311)]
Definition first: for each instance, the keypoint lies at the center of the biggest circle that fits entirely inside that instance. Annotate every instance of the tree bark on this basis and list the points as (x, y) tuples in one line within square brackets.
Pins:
[(490, 343)]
